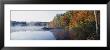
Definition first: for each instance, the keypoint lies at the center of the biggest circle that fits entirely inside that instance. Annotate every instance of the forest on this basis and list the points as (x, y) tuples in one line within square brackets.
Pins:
[(80, 24), (69, 25)]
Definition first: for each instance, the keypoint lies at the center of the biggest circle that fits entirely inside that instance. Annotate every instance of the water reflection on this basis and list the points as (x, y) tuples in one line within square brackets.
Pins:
[(37, 33)]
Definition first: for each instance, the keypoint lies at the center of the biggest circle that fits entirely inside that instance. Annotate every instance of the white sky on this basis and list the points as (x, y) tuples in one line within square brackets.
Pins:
[(29, 16)]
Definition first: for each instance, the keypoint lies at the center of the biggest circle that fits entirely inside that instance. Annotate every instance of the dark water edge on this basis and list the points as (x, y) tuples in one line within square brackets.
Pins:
[(61, 34)]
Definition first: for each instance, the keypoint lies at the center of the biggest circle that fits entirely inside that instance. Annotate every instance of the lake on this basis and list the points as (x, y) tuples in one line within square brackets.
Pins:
[(30, 33), (37, 33)]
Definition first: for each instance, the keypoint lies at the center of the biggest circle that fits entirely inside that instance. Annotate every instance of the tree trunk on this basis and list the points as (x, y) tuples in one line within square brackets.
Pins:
[(96, 24)]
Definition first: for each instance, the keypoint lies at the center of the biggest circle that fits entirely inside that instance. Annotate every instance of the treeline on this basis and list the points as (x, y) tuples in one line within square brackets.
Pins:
[(18, 23), (14, 23), (86, 23)]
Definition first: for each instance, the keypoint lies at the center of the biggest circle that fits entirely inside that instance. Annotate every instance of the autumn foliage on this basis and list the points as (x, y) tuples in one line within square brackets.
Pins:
[(85, 23)]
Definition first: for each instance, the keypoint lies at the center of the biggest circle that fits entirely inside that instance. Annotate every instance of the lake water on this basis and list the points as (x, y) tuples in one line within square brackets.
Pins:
[(30, 33)]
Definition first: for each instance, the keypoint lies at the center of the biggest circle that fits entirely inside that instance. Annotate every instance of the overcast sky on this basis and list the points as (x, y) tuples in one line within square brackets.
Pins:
[(29, 16)]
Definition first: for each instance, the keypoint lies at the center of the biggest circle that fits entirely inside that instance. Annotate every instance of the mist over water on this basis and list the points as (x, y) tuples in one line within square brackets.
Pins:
[(30, 33)]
